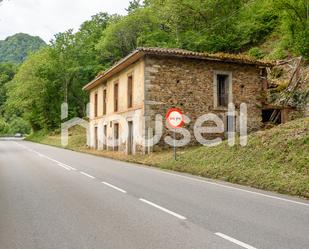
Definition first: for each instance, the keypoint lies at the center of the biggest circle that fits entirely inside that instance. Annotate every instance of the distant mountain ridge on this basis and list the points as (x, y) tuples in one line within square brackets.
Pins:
[(16, 48)]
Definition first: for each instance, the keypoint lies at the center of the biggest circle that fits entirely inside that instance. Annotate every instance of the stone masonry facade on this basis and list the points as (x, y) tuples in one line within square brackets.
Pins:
[(188, 84), (196, 83)]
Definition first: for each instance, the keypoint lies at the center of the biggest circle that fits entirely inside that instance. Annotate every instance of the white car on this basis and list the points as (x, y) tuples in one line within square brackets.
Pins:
[(18, 135)]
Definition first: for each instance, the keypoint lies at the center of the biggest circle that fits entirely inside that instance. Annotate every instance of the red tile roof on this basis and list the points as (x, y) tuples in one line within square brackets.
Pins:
[(235, 58), (174, 52)]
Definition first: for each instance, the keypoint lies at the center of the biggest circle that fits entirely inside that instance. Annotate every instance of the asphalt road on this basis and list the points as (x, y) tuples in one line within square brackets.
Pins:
[(52, 198)]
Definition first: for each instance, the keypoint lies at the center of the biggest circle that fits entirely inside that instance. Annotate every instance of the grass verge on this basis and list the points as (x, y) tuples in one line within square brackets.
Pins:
[(274, 160)]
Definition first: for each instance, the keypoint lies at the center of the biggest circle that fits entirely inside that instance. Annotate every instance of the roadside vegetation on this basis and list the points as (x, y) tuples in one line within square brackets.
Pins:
[(34, 85), (56, 73), (275, 159)]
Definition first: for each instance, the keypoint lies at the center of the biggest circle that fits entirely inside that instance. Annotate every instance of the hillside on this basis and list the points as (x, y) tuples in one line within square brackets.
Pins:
[(275, 159), (16, 48), (271, 30)]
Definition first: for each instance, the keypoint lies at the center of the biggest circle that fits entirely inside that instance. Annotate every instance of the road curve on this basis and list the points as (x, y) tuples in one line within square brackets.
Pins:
[(51, 198)]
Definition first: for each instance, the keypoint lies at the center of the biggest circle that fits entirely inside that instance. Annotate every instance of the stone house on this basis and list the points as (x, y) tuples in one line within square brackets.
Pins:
[(150, 81)]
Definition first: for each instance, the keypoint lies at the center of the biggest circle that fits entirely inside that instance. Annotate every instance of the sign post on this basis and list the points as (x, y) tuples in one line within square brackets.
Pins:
[(175, 119), (175, 154)]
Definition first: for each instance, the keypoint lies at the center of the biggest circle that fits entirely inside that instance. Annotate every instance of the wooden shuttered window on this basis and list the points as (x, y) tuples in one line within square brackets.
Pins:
[(96, 104), (116, 95), (130, 91), (104, 101)]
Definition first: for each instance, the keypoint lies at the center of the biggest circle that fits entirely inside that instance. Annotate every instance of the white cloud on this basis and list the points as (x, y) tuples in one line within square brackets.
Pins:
[(45, 18)]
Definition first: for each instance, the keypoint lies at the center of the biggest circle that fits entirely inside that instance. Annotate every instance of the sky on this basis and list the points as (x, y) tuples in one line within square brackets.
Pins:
[(45, 18)]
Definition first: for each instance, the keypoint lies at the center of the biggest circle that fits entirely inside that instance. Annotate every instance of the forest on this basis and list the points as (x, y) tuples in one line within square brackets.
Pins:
[(16, 48), (32, 91)]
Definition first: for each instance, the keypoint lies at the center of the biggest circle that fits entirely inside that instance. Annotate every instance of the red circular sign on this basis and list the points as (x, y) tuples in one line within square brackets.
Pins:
[(175, 118)]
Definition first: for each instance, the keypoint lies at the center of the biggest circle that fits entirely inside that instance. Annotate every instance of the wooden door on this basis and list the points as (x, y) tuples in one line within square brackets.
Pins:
[(130, 138)]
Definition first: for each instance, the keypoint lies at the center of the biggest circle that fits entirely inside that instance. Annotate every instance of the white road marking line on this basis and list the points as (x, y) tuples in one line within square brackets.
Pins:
[(70, 167), (63, 166), (114, 187), (67, 166), (85, 174), (215, 184), (235, 241), (163, 209), (40, 155), (235, 188)]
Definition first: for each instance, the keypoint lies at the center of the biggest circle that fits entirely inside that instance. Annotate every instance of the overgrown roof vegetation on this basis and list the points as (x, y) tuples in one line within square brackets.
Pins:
[(261, 28), (176, 53)]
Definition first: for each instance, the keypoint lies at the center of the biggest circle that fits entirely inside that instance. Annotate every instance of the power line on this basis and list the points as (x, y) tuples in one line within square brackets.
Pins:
[(228, 17)]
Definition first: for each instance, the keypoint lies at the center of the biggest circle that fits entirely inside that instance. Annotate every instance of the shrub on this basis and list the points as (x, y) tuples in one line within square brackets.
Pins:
[(19, 125), (256, 53), (4, 127)]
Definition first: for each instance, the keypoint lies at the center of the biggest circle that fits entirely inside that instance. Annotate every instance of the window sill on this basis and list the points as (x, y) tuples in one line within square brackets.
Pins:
[(220, 108)]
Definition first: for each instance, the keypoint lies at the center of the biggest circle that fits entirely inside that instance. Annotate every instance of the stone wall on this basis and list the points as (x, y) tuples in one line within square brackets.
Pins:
[(188, 84)]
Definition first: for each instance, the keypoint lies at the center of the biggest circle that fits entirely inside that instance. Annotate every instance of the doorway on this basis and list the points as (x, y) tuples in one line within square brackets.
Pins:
[(271, 116), (105, 137), (130, 138), (96, 142), (116, 137)]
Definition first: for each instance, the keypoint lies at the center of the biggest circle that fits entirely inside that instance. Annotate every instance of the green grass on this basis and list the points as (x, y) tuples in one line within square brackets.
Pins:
[(275, 159), (77, 138)]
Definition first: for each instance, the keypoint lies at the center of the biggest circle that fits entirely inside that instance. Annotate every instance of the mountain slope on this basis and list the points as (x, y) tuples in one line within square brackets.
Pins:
[(16, 48)]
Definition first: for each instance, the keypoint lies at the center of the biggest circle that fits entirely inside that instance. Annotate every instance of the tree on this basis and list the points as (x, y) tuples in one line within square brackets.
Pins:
[(29, 92), (295, 22), (134, 5), (77, 62), (124, 34), (19, 125), (56, 74), (7, 72), (4, 127)]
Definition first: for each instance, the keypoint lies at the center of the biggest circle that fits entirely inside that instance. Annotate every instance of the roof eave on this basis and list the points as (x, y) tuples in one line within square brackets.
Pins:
[(140, 52), (125, 62)]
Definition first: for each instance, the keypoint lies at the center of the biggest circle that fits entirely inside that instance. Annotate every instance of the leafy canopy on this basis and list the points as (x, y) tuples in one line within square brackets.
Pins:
[(57, 72)]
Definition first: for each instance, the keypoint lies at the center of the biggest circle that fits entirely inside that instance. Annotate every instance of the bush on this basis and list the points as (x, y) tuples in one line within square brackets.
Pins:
[(256, 53), (19, 125), (4, 127)]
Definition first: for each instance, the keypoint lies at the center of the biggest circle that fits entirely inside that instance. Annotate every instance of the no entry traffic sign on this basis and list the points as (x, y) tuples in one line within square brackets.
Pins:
[(175, 118)]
